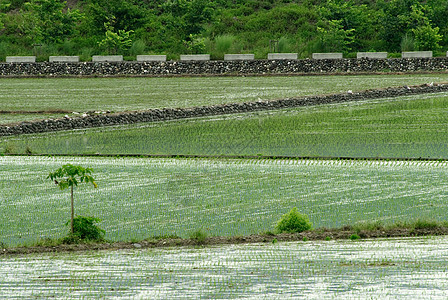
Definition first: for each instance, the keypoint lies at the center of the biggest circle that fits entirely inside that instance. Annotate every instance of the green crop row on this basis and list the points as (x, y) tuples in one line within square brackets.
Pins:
[(414, 126), (138, 198), (126, 94)]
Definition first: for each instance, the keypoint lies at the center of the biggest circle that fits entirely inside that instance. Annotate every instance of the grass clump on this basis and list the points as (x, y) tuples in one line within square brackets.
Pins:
[(163, 237), (426, 224), (199, 236), (293, 222), (368, 226), (354, 237), (84, 230)]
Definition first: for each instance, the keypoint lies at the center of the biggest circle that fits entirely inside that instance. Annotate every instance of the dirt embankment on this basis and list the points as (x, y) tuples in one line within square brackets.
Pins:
[(313, 235)]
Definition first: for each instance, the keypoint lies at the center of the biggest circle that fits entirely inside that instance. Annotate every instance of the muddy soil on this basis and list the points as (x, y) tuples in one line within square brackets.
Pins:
[(317, 234)]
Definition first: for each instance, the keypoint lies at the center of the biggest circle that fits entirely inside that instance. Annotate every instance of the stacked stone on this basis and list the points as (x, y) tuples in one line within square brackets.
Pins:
[(225, 67), (90, 120)]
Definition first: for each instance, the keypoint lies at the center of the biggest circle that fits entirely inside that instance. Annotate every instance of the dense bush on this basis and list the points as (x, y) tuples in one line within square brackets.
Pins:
[(85, 230), (199, 236), (182, 26), (293, 222)]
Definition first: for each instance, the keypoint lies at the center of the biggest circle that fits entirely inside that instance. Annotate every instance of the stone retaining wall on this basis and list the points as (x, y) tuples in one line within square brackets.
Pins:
[(90, 120), (236, 67)]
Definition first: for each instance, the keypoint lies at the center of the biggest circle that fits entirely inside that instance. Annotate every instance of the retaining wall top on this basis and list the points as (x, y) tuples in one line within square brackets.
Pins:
[(272, 56), (187, 57), (417, 54), (327, 55), (151, 57), (64, 58), (371, 55), (20, 59), (239, 56), (111, 58)]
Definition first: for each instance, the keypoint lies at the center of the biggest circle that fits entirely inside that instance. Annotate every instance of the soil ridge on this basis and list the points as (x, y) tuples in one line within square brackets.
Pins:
[(346, 232)]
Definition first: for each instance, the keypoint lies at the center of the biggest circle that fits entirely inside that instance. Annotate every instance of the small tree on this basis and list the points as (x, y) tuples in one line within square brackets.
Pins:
[(114, 41), (69, 176)]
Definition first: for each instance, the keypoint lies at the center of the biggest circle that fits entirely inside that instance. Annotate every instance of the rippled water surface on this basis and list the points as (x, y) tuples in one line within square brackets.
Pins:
[(378, 269)]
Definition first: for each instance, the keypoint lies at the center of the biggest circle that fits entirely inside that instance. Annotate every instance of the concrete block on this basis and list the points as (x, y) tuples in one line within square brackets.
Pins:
[(111, 58), (273, 56), (64, 59), (239, 56), (151, 57), (188, 57), (371, 55), (327, 55), (20, 59), (417, 54)]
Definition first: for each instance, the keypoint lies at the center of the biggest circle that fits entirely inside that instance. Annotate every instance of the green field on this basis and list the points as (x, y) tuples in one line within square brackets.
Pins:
[(124, 94), (411, 126), (376, 269), (138, 198)]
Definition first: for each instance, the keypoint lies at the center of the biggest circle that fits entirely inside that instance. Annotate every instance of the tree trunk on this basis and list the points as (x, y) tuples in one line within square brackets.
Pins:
[(73, 210)]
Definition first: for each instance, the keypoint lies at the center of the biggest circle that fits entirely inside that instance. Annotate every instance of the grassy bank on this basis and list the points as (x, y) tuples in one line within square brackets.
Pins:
[(362, 230)]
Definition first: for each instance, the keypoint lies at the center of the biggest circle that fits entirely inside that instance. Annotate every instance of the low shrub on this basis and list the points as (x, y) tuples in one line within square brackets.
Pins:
[(354, 237), (199, 236), (293, 222), (84, 230)]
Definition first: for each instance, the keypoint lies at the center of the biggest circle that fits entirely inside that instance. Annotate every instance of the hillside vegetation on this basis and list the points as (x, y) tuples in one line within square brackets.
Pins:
[(131, 27)]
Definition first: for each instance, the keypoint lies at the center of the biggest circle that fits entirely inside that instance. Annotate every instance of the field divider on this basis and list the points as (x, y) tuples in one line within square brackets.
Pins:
[(102, 119), (248, 157)]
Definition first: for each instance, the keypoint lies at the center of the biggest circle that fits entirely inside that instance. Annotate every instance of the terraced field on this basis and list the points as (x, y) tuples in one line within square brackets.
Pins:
[(138, 197), (407, 127), (141, 197), (125, 94)]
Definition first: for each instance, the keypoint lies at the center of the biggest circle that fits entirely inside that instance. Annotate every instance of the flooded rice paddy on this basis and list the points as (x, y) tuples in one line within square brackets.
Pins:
[(139, 198), (374, 269)]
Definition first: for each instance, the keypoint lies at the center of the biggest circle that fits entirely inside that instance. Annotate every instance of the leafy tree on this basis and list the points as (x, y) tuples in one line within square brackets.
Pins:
[(188, 16), (426, 37), (3, 7), (68, 176), (363, 19), (48, 21), (409, 18), (334, 37), (121, 15), (394, 21), (438, 16), (195, 45), (116, 41)]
